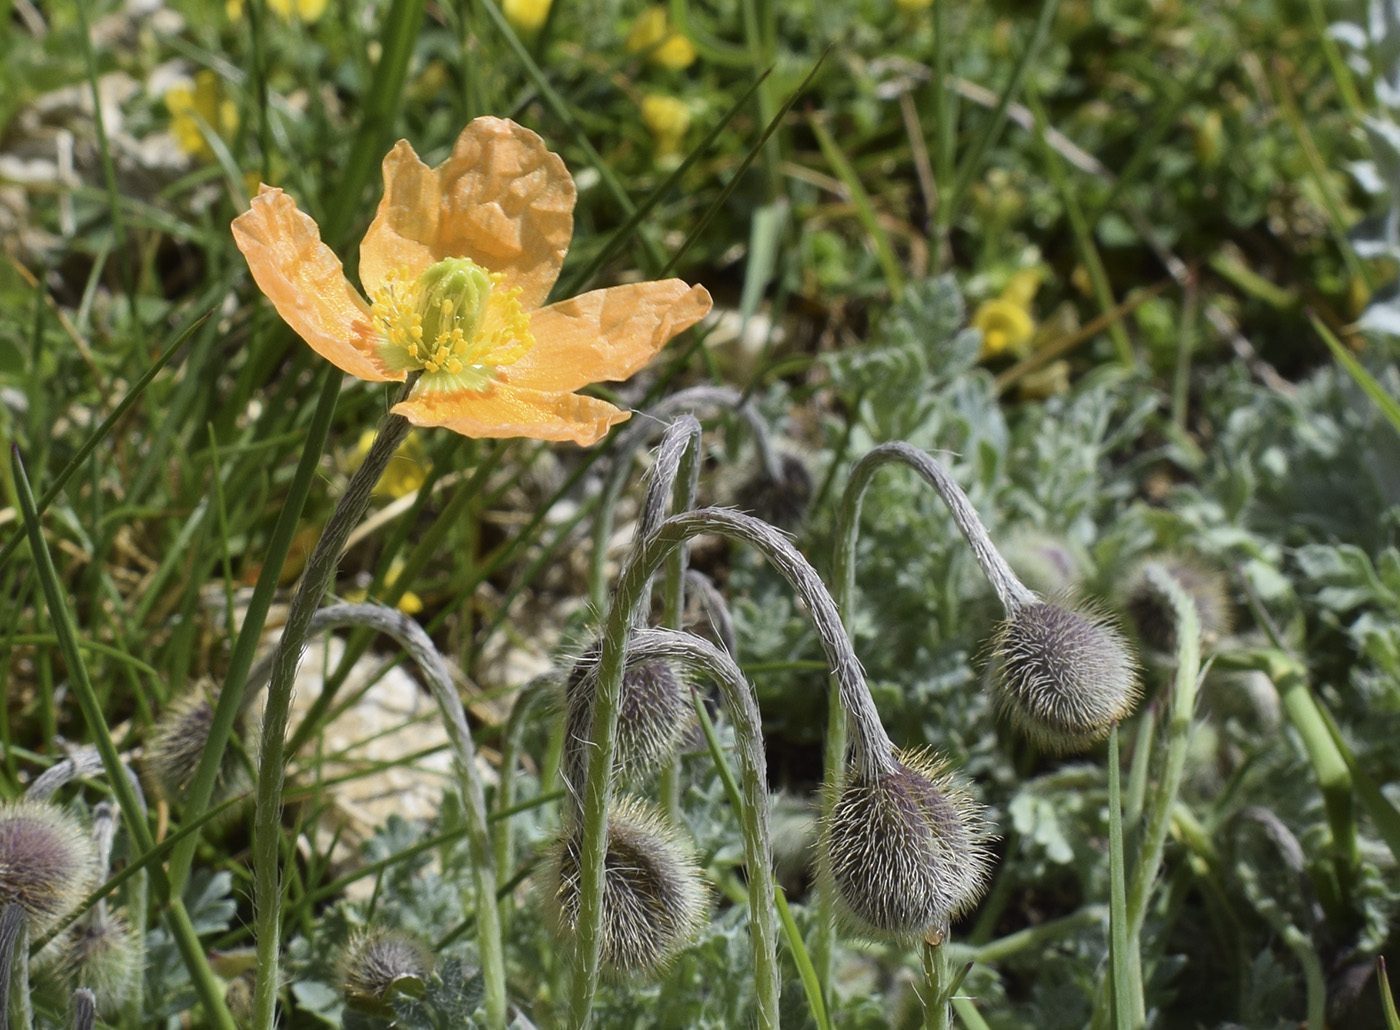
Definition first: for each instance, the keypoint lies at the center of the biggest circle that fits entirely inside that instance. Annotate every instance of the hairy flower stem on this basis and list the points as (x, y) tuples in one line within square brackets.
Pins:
[(739, 699), (267, 816), (1009, 589), (937, 981), (642, 429), (1163, 799), (872, 749), (11, 923), (414, 640)]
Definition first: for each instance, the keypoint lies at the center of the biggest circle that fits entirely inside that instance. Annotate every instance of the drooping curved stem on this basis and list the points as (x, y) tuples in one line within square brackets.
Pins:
[(702, 656), (644, 427), (592, 761), (1009, 589), (419, 646)]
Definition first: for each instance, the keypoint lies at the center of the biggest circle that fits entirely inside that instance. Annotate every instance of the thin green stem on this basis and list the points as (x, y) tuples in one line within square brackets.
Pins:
[(267, 817), (1120, 953), (936, 968)]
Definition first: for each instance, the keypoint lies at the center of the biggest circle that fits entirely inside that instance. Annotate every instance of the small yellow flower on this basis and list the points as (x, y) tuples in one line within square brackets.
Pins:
[(203, 103), (668, 120), (407, 469), (409, 603), (664, 46), (1006, 327), (457, 263), (526, 16), (913, 6), (306, 11)]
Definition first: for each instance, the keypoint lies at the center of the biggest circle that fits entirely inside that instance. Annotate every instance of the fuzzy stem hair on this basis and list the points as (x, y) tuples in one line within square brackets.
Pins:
[(739, 699), (592, 764)]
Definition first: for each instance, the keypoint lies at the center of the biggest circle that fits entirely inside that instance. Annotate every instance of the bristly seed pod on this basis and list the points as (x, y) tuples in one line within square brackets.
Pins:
[(1064, 674), (1152, 613), (47, 861), (654, 898), (378, 960), (655, 720), (102, 952), (178, 740), (905, 853)]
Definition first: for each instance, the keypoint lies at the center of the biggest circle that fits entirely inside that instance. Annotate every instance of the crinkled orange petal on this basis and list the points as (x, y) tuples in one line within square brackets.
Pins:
[(304, 280), (507, 411), (606, 334), (404, 233), (508, 204)]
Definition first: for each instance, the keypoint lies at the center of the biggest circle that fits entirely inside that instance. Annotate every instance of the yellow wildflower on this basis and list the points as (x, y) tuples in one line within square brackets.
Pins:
[(913, 6), (664, 46), (456, 263), (526, 16), (1045, 382), (1006, 327), (409, 602), (193, 108), (668, 120), (306, 11)]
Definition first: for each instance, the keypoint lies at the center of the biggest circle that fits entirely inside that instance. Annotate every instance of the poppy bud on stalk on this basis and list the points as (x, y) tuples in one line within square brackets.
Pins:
[(905, 851), (1152, 613), (1064, 674), (654, 898), (655, 715), (47, 862), (378, 960)]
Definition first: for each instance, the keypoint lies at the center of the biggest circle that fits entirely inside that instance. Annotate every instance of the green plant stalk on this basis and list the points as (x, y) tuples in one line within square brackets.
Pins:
[(1032, 936), (1120, 952), (749, 799), (968, 1013), (226, 708), (1183, 707), (267, 816), (874, 750), (937, 974), (401, 30), (841, 165), (946, 104), (1377, 805), (1083, 234), (972, 163), (206, 984), (1302, 709), (806, 972), (1137, 777)]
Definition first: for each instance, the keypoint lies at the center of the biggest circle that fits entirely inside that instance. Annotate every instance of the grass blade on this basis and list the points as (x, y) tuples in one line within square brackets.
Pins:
[(1381, 397), (805, 970)]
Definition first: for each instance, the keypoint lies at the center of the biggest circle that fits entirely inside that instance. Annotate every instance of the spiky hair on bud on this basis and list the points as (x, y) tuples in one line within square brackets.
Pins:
[(1151, 613), (655, 718), (379, 960), (47, 861), (178, 740), (654, 897), (102, 952), (906, 852), (1064, 674)]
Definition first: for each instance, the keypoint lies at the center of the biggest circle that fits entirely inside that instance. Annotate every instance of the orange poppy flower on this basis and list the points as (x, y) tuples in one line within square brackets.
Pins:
[(456, 264)]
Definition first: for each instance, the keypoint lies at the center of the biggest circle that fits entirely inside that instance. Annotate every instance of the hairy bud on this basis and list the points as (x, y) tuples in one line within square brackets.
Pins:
[(379, 961), (1152, 613), (654, 898), (178, 740), (780, 501), (906, 852), (1064, 674), (101, 952), (47, 862), (655, 715)]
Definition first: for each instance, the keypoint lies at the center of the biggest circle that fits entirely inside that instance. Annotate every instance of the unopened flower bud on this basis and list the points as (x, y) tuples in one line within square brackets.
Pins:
[(380, 961), (1152, 613), (178, 740), (654, 898), (780, 501), (47, 862), (101, 952), (655, 715), (1064, 674), (905, 852)]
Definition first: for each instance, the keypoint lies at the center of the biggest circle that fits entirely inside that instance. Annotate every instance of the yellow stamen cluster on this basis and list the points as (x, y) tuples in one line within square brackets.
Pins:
[(454, 319)]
